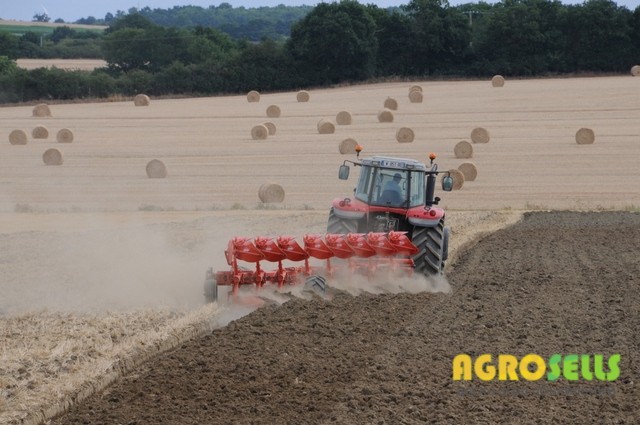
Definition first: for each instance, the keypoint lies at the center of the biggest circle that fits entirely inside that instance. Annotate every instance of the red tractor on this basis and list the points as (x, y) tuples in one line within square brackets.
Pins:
[(391, 223)]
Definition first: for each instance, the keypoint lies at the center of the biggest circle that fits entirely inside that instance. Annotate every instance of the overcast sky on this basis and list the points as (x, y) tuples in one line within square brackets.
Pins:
[(72, 10)]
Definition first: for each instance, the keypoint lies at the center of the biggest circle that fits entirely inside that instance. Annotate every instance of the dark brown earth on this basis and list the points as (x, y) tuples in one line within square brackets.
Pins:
[(560, 282)]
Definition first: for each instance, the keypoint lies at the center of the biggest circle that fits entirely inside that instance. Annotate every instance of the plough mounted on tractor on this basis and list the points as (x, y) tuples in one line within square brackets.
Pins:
[(390, 224)]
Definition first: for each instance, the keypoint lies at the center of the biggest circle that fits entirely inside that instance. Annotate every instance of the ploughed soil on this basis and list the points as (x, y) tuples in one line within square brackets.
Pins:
[(555, 283)]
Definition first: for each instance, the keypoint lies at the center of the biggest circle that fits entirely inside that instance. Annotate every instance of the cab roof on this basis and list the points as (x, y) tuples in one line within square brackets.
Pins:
[(394, 163)]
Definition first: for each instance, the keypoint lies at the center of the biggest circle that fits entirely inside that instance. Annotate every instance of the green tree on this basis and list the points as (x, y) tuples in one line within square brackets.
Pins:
[(522, 37), (9, 45), (441, 36), (599, 37), (395, 37), (335, 42)]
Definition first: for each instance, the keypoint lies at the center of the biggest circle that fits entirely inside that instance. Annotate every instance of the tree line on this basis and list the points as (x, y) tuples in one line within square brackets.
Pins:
[(346, 42)]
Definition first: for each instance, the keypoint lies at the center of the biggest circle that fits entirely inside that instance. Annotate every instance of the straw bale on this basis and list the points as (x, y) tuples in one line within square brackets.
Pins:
[(415, 96), (463, 149), (497, 81), (391, 103), (585, 136), (40, 132), (385, 116), (18, 137), (347, 146), (271, 127), (52, 157), (302, 96), (271, 192), (156, 169), (41, 110), (273, 111), (469, 170), (458, 178), (259, 132), (141, 100), (635, 70), (326, 127), (480, 135), (343, 118), (253, 96), (405, 135), (415, 88), (64, 136)]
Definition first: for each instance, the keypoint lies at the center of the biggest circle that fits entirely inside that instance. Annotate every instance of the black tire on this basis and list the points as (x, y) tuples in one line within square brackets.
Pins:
[(430, 241), (341, 226), (445, 246), (316, 284), (210, 288)]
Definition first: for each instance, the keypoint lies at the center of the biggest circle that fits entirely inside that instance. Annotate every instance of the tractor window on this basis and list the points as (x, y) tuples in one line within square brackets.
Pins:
[(417, 189), (364, 184)]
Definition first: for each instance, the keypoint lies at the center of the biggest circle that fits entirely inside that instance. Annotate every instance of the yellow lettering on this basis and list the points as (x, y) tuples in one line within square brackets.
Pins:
[(483, 367), (507, 365), (529, 359), (462, 367)]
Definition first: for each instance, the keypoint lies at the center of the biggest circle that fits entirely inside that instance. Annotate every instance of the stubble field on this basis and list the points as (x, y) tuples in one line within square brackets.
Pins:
[(101, 267)]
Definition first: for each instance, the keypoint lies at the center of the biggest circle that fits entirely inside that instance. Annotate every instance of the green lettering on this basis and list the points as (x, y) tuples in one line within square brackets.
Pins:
[(614, 369), (570, 367), (554, 368), (585, 369)]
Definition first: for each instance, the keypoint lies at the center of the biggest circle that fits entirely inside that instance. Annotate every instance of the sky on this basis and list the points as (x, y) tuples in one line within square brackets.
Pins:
[(72, 10)]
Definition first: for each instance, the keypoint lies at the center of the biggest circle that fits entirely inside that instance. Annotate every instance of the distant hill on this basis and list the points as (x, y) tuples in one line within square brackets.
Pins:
[(21, 27)]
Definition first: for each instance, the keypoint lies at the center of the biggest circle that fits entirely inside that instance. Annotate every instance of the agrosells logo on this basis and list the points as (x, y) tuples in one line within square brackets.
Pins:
[(533, 367)]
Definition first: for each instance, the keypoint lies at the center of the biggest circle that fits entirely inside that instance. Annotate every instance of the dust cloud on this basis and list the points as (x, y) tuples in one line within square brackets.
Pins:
[(135, 267)]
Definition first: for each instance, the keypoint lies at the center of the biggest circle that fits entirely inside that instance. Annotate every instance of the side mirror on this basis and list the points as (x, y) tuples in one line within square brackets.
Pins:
[(447, 183), (343, 172)]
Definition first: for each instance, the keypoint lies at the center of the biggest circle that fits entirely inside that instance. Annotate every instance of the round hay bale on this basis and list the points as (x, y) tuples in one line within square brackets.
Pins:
[(18, 137), (64, 136), (271, 127), (497, 81), (156, 169), (302, 96), (259, 132), (347, 146), (326, 127), (253, 96), (415, 96), (469, 170), (635, 70), (463, 149), (343, 118), (271, 192), (141, 100), (273, 111), (52, 157), (40, 132), (585, 136), (415, 88), (405, 135), (458, 178), (391, 103), (480, 135), (385, 116), (41, 110)]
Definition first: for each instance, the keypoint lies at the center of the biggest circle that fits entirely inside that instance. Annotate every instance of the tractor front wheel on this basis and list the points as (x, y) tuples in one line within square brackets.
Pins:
[(431, 243)]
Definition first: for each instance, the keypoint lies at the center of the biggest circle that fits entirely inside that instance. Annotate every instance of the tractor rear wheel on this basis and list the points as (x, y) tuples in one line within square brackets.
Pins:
[(210, 288), (341, 226), (430, 241)]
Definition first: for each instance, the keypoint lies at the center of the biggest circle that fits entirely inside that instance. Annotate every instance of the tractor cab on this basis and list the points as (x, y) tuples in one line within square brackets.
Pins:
[(395, 182)]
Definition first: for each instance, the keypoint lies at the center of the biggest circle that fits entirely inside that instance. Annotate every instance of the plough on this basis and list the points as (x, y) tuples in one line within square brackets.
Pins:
[(364, 253)]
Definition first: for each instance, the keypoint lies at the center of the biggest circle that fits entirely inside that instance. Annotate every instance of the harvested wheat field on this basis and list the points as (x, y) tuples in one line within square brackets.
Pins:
[(101, 267)]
